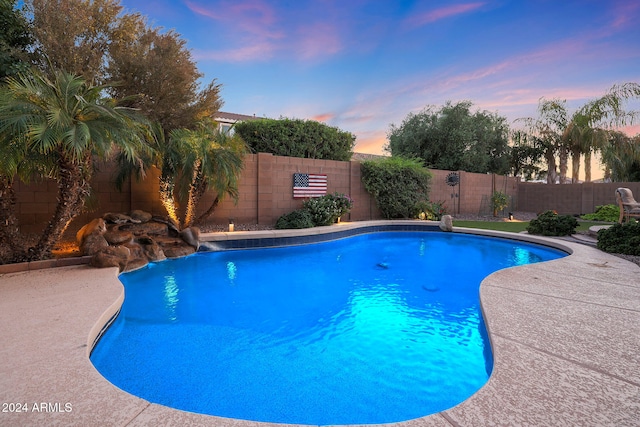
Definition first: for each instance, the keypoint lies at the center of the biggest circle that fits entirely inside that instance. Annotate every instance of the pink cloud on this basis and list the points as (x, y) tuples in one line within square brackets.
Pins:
[(323, 117), (317, 40), (625, 13), (442, 13), (254, 52), (371, 142), (632, 130), (251, 27), (258, 31), (254, 16)]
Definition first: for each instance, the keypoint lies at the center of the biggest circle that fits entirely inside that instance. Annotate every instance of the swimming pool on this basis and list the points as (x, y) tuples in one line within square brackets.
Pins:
[(376, 328)]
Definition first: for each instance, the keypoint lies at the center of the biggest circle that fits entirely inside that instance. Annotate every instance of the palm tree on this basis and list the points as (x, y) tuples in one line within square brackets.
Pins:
[(582, 138), (587, 130), (209, 160), (546, 134), (56, 127), (621, 157)]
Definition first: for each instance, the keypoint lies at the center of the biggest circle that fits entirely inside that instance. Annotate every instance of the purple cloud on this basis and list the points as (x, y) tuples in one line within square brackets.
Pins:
[(444, 12)]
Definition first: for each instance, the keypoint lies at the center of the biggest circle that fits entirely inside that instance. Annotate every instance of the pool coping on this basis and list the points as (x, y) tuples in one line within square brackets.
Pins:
[(565, 353)]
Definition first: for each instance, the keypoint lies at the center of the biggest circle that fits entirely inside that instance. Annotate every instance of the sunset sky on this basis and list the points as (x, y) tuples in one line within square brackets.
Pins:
[(361, 65)]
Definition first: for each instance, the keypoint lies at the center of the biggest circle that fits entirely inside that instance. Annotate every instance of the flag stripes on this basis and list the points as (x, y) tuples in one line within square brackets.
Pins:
[(309, 185)]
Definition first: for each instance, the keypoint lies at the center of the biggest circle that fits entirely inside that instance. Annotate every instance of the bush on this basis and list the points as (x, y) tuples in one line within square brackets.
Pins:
[(550, 223), (397, 184), (499, 201), (620, 238), (327, 209), (300, 218), (609, 213), (318, 211), (297, 138), (431, 211)]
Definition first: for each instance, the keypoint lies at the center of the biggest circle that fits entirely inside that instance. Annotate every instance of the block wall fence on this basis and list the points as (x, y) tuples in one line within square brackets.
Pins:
[(265, 190), (570, 199)]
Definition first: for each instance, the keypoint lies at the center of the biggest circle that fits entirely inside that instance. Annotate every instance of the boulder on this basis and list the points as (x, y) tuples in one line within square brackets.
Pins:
[(118, 237), (135, 249), (174, 229), (140, 216), (446, 223), (152, 251), (178, 251), (96, 226), (93, 243), (131, 241), (175, 247), (112, 256), (136, 263), (116, 218), (191, 236), (151, 228)]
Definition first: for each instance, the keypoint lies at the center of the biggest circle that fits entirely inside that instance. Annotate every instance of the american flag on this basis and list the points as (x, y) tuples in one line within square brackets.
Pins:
[(309, 185)]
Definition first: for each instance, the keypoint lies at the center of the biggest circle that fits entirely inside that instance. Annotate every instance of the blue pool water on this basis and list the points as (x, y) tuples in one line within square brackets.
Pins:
[(376, 328)]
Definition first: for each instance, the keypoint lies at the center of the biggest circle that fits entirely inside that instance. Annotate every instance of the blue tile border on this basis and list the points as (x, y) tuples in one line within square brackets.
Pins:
[(272, 242)]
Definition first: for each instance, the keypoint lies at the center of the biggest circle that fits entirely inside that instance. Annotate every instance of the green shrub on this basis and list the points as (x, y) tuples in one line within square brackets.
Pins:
[(499, 201), (397, 184), (620, 238), (317, 211), (297, 138), (327, 209), (609, 213), (550, 223), (300, 218), (343, 203), (431, 211)]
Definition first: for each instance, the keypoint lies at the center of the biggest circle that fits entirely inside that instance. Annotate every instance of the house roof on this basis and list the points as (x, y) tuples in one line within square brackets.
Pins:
[(222, 116), (361, 157)]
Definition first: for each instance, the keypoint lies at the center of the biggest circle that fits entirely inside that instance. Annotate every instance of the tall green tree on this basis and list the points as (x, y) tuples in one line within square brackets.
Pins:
[(15, 39), (151, 68), (453, 138), (57, 127), (76, 35), (164, 83)]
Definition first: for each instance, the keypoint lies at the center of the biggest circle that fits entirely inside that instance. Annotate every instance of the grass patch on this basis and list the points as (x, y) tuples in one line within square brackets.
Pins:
[(514, 227)]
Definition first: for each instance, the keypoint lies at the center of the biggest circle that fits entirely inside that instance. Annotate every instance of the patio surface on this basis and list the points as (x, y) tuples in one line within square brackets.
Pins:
[(565, 337)]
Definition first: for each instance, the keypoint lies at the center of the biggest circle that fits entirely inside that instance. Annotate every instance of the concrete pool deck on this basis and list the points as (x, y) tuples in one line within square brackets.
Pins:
[(565, 337)]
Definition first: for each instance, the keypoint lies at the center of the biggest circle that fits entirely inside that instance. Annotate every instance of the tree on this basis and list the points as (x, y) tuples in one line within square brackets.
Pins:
[(588, 129), (209, 160), (581, 138), (15, 39), (146, 68), (545, 134), (621, 157), (453, 138), (581, 133), (75, 35), (297, 138), (164, 86), (399, 185), (526, 153), (56, 127)]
